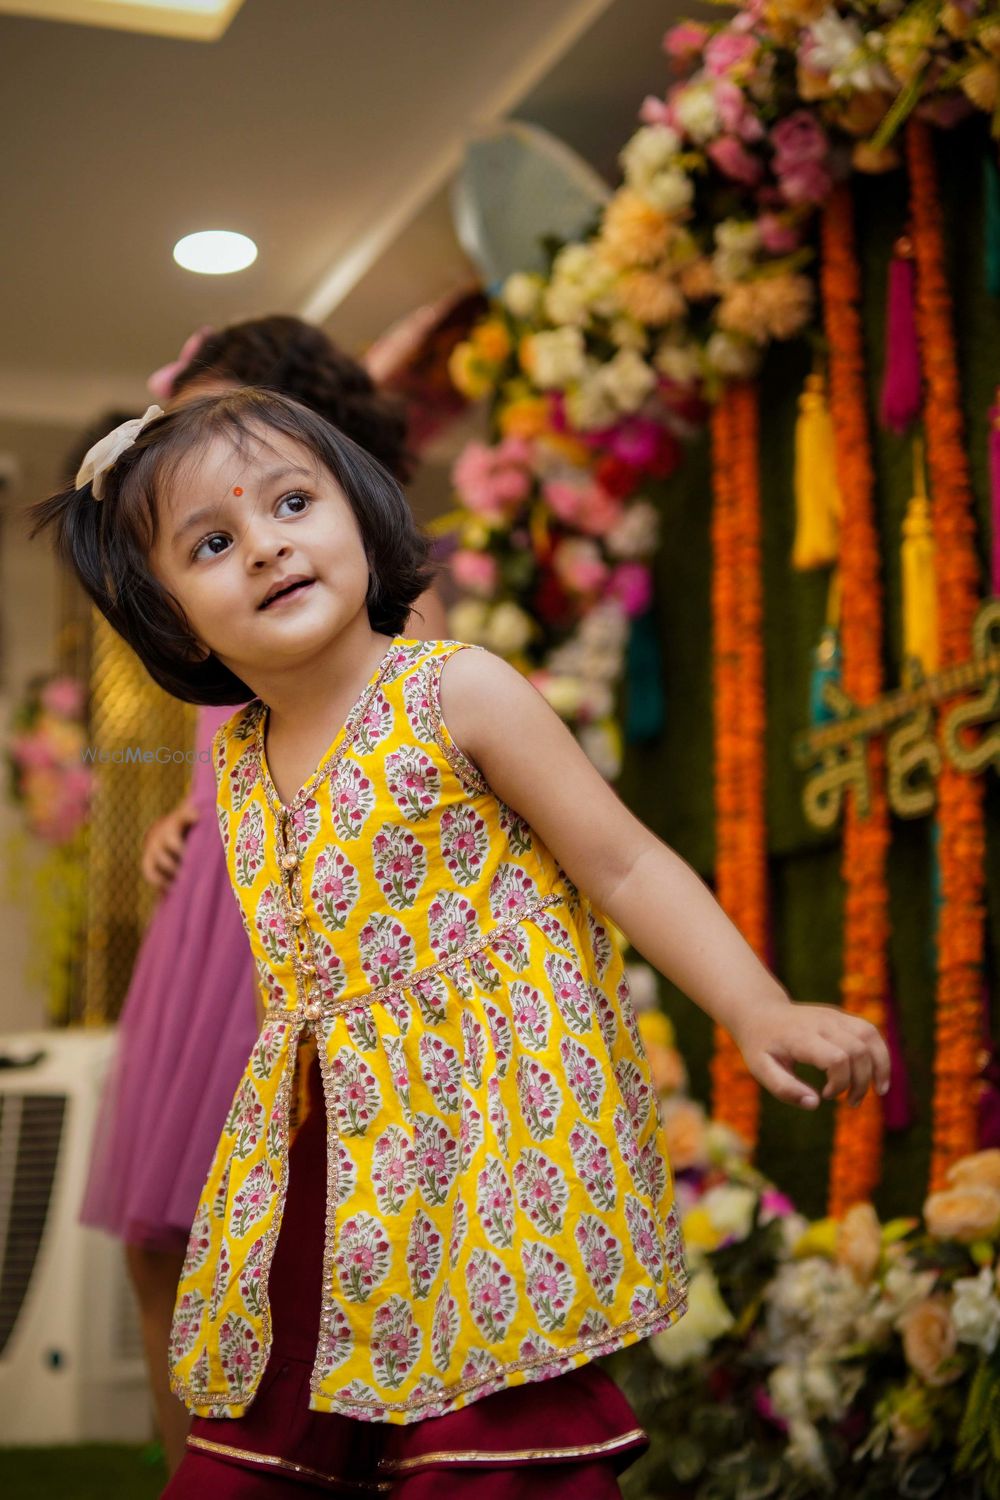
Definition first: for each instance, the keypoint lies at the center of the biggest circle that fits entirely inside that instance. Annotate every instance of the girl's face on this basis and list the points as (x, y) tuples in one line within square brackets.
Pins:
[(234, 526)]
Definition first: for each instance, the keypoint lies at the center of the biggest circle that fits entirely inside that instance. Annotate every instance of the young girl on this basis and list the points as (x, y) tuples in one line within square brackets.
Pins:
[(189, 1017), (476, 1201)]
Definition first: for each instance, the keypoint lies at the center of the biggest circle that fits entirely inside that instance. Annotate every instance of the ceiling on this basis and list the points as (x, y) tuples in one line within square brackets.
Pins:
[(328, 130)]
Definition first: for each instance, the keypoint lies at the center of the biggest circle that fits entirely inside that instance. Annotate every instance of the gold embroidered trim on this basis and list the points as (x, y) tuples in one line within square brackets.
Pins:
[(383, 992), (468, 773), (285, 1464), (340, 746), (481, 1456)]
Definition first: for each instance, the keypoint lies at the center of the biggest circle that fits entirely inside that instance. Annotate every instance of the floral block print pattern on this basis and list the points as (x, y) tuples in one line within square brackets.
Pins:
[(499, 1201)]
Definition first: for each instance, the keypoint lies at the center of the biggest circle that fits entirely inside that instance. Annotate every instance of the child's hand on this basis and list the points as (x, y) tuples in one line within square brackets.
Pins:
[(164, 844), (848, 1050)]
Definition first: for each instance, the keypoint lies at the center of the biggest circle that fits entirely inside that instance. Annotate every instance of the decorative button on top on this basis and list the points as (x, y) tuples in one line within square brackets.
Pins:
[(314, 1011), (307, 967), (289, 861), (296, 914)]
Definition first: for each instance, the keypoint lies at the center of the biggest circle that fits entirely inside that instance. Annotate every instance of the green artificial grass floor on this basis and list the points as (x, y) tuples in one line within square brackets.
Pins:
[(97, 1471)]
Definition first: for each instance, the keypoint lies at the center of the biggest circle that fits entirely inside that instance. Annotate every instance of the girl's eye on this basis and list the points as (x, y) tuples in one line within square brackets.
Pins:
[(296, 496)]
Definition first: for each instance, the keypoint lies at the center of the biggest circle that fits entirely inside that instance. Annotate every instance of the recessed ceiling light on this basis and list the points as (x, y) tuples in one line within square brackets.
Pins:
[(215, 252)]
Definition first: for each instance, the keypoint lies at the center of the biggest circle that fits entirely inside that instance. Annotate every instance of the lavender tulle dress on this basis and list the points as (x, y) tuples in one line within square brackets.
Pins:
[(186, 1030)]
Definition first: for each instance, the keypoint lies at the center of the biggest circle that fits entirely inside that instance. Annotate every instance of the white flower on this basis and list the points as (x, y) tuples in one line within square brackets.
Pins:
[(904, 1288), (706, 1319), (649, 151), (786, 1390), (724, 1144), (467, 621), (838, 49), (681, 363), (823, 1392), (730, 1208), (737, 242), (590, 405), (566, 302), (562, 692), (522, 294), (581, 284), (601, 743), (628, 379), (695, 110), (731, 356), (509, 629), (805, 1451), (558, 357), (975, 1311), (636, 533), (670, 192)]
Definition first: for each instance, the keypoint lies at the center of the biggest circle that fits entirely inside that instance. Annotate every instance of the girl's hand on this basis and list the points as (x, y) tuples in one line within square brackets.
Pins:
[(850, 1051), (164, 844)]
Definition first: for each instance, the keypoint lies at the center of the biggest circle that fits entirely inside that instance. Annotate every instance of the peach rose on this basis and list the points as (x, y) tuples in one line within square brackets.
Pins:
[(981, 1169), (684, 1129), (859, 1242), (966, 1213), (930, 1341)]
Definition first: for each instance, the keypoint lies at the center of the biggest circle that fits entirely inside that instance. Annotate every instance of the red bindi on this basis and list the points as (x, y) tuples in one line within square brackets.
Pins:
[(237, 489)]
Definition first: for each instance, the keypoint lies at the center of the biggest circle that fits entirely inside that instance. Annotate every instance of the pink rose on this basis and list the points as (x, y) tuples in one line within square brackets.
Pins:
[(777, 236), (475, 572), (734, 161), (63, 696), (683, 43), (579, 566), (734, 111), (632, 585), (655, 111), (726, 51), (493, 480), (796, 139)]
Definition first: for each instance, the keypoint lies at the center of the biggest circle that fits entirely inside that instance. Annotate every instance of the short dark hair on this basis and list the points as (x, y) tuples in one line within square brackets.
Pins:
[(284, 353), (108, 543)]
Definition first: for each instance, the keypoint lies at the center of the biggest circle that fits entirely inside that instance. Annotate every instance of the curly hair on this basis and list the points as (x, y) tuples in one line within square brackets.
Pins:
[(282, 353), (108, 544)]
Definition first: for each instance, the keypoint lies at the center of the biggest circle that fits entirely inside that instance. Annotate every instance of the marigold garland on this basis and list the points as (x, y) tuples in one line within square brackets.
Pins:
[(854, 1169), (961, 838), (740, 757)]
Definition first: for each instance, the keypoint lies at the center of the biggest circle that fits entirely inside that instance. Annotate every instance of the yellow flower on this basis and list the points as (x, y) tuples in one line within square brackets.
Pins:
[(655, 1029), (906, 44), (698, 1230), (524, 418), (819, 1239), (467, 373), (491, 341), (698, 279), (981, 84), (633, 233), (567, 447)]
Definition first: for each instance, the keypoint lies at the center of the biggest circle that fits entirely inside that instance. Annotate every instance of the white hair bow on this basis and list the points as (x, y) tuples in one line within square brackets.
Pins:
[(105, 454)]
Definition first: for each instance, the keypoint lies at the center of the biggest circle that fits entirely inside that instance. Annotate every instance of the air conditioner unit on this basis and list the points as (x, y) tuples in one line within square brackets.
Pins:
[(71, 1363)]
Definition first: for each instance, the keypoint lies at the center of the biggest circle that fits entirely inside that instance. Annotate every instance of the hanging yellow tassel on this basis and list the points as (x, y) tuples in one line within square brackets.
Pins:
[(920, 616), (817, 498)]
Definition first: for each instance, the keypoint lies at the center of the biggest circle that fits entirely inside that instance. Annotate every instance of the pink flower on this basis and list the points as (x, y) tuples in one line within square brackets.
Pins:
[(726, 51), (632, 585), (798, 138), (655, 111), (684, 43), (493, 480), (734, 111), (579, 566), (63, 696), (774, 1205), (734, 161), (33, 751), (474, 571), (776, 235), (808, 183), (587, 506)]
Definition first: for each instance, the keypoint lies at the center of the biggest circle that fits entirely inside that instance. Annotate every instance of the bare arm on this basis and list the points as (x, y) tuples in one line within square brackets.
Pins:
[(533, 763)]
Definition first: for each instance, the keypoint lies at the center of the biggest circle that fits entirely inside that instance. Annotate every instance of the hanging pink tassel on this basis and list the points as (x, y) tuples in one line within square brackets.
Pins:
[(897, 1111), (995, 493), (902, 381)]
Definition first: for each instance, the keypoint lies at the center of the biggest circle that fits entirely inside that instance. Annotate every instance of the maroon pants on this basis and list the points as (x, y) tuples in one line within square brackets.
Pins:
[(560, 1439)]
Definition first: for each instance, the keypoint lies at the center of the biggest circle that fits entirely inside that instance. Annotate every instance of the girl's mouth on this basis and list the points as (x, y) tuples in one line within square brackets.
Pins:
[(292, 592)]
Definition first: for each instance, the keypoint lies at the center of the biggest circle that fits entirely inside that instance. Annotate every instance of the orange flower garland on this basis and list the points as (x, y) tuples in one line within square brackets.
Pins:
[(857, 1144), (961, 847), (740, 757)]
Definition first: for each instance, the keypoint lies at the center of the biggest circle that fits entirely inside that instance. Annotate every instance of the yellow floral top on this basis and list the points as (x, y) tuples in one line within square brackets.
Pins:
[(499, 1204)]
